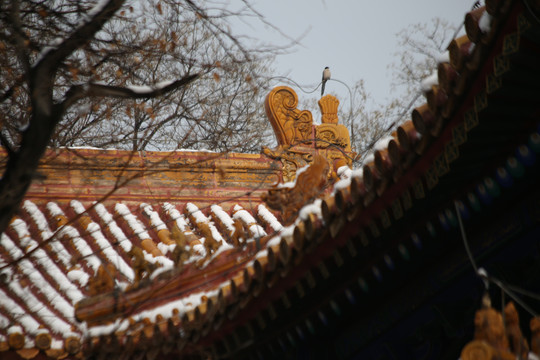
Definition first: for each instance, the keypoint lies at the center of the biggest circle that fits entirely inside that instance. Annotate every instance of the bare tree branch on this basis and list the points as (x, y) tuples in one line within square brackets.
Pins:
[(78, 92)]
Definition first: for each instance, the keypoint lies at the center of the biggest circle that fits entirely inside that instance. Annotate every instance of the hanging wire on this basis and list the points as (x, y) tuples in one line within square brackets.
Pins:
[(296, 84), (531, 12), (349, 120), (464, 237), (486, 278)]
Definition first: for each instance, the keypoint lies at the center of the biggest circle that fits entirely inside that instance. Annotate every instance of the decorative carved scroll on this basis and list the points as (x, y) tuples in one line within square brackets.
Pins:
[(291, 125), (298, 139)]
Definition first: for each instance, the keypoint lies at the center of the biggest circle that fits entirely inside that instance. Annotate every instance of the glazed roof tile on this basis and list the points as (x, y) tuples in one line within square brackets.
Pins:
[(185, 301), (55, 261), (56, 253)]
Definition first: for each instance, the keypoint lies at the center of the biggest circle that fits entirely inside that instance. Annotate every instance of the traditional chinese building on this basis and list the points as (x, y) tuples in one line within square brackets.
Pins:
[(176, 255)]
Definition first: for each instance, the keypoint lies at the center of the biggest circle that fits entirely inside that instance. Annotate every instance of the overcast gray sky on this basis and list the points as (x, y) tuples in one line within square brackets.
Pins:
[(355, 38)]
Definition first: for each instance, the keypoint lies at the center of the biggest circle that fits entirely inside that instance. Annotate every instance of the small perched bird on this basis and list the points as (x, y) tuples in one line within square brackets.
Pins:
[(325, 77)]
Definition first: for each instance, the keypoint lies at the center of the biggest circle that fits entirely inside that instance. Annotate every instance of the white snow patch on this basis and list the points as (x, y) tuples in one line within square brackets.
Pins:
[(342, 184), (314, 208), (443, 57), (292, 184), (79, 276), (197, 214), (21, 228), (52, 295), (87, 254), (15, 329), (145, 89), (41, 257), (181, 305), (39, 309), (430, 81), (269, 218), (256, 230), (344, 172), (358, 173), (223, 217), (382, 143), (27, 322), (181, 221), (155, 220), (115, 230), (46, 233), (274, 241), (135, 224), (485, 22), (106, 247), (369, 159), (14, 252)]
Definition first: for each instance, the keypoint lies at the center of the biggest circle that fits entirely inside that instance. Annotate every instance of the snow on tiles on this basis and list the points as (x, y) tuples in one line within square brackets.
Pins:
[(345, 175), (180, 220), (111, 255), (115, 230), (313, 208), (201, 218), (42, 258), (135, 224), (155, 220), (23, 233), (104, 330), (4, 324), (39, 309), (105, 246), (430, 81), (382, 143), (443, 57), (14, 252), (269, 218), (485, 22), (179, 306), (50, 293), (69, 289), (87, 255), (255, 229), (358, 173), (26, 321), (78, 276), (344, 172), (196, 213), (158, 225), (138, 229), (223, 217), (46, 234)]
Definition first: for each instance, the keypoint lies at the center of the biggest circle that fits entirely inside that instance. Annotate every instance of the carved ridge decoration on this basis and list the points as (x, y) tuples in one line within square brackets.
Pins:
[(309, 186), (290, 125), (500, 338), (299, 140)]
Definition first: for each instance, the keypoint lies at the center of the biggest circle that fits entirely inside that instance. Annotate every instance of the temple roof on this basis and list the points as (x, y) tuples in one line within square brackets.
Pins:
[(75, 234), (477, 134)]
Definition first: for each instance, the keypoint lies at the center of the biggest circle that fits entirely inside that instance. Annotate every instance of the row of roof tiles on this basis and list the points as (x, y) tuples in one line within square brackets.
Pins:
[(54, 255)]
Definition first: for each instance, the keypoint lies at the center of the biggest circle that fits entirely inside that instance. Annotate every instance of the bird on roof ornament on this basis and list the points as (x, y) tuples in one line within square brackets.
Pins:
[(325, 77)]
